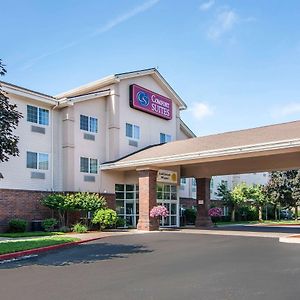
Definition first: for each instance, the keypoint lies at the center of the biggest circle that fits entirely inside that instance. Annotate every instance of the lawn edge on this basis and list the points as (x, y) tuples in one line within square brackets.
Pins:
[(19, 254)]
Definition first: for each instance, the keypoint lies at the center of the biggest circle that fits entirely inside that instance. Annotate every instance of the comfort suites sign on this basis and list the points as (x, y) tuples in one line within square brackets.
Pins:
[(150, 102)]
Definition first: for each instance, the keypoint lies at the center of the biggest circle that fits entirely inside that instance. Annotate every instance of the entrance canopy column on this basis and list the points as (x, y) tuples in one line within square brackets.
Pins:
[(147, 199), (203, 202)]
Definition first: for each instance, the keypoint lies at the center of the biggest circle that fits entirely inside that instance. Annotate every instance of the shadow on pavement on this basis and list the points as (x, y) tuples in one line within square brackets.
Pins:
[(81, 254)]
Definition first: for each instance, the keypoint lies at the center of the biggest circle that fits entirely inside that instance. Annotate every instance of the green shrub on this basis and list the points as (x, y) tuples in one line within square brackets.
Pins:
[(121, 222), (49, 224), (105, 218), (190, 215), (17, 225), (247, 213), (80, 228)]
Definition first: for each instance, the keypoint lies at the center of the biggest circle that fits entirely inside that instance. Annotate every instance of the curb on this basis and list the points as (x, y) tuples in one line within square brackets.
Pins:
[(14, 255), (292, 239)]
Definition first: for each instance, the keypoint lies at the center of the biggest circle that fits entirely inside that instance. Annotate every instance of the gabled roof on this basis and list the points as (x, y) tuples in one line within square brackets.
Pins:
[(266, 138), (21, 91), (104, 82)]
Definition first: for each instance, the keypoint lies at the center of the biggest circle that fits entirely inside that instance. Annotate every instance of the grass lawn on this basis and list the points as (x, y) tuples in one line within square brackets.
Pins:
[(14, 246), (237, 222), (29, 234)]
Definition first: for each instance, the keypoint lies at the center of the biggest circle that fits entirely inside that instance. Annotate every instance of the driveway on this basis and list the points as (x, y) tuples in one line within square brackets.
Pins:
[(161, 265)]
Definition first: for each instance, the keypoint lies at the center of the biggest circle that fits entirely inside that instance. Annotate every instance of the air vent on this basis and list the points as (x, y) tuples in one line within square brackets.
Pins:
[(133, 143), (89, 178), (38, 129), (37, 175), (89, 137)]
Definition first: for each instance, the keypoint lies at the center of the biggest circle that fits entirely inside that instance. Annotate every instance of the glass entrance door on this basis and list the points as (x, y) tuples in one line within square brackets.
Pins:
[(167, 196), (127, 203)]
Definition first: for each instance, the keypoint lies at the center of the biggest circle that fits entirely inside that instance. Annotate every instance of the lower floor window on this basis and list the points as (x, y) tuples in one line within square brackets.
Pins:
[(127, 203), (167, 196), (38, 161)]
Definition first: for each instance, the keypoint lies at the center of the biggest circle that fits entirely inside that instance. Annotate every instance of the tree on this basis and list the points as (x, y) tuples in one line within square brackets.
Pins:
[(226, 197), (9, 120), (256, 194), (56, 202), (239, 196), (84, 202), (296, 192), (283, 189)]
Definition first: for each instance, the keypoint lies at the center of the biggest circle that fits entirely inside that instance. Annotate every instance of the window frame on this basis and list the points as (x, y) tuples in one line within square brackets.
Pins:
[(38, 117), (134, 130), (89, 128), (38, 154), (165, 140), (89, 165)]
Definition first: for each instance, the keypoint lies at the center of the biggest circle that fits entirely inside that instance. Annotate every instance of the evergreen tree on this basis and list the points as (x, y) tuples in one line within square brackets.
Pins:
[(9, 120)]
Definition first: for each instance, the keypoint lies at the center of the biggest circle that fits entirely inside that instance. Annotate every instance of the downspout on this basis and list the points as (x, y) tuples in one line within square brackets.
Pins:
[(52, 146)]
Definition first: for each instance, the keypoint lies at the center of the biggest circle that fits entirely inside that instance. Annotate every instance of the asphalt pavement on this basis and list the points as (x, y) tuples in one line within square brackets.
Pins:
[(160, 265)]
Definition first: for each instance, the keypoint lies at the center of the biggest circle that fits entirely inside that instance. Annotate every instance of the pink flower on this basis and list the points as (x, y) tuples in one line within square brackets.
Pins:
[(159, 211), (215, 212)]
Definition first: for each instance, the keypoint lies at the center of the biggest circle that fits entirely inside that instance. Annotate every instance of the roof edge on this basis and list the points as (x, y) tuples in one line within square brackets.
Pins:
[(187, 130), (120, 76), (21, 91)]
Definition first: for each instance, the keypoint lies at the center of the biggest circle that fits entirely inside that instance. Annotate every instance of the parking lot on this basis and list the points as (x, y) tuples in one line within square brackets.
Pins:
[(161, 265)]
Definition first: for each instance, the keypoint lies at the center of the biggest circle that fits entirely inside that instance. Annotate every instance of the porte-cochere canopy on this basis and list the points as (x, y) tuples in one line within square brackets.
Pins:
[(268, 148)]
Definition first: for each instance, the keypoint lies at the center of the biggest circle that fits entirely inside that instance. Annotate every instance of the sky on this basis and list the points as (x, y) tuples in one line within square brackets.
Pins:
[(236, 64)]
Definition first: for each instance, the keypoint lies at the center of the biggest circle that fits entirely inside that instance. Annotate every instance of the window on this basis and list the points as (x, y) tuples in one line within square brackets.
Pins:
[(132, 131), (38, 161), (183, 181), (37, 115), (88, 123), (165, 138), (127, 203), (93, 166), (88, 165), (194, 182)]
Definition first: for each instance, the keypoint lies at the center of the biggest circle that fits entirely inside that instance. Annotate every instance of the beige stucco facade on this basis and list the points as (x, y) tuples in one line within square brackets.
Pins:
[(106, 100)]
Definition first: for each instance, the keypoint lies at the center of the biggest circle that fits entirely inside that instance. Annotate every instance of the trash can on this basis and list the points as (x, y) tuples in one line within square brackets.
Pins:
[(36, 225)]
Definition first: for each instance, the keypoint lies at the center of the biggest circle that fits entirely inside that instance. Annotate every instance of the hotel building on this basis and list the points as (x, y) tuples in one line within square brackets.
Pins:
[(65, 138)]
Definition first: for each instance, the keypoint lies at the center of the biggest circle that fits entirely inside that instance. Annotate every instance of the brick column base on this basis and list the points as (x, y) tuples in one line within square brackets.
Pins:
[(203, 202), (147, 199)]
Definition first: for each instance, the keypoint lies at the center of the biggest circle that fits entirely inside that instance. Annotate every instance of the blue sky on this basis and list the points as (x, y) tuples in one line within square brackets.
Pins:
[(235, 63)]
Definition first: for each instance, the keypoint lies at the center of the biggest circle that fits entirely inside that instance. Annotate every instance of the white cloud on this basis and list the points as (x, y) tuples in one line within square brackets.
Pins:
[(106, 27), (224, 22), (126, 16), (201, 110), (286, 110), (207, 5)]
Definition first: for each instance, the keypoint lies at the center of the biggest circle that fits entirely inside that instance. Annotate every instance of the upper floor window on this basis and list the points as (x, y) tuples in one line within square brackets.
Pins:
[(38, 161), (132, 131), (37, 115), (88, 123), (88, 165), (165, 138)]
